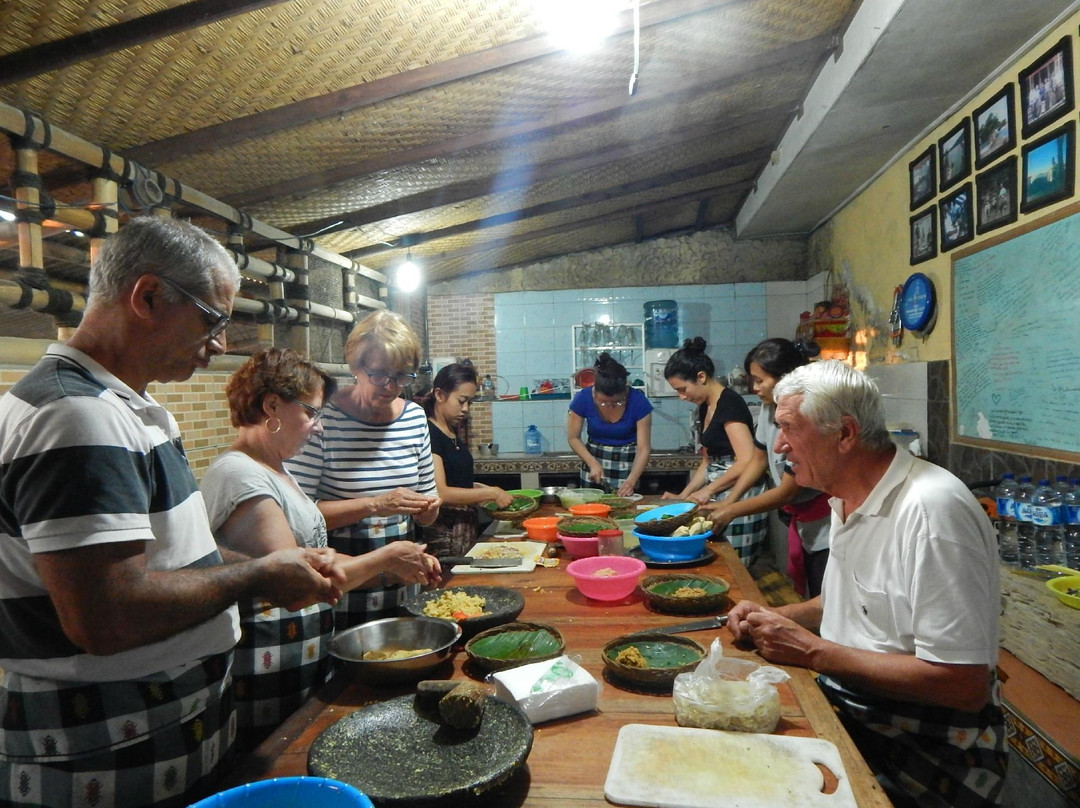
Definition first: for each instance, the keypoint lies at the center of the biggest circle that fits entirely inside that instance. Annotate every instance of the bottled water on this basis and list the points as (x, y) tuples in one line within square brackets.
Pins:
[(1061, 485), (533, 441), (1049, 525), (1005, 494), (1025, 529), (1071, 503)]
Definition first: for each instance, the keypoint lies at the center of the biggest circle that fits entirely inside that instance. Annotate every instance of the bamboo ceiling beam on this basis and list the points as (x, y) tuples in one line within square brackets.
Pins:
[(49, 56), (524, 175), (693, 83), (569, 203), (606, 218), (298, 113)]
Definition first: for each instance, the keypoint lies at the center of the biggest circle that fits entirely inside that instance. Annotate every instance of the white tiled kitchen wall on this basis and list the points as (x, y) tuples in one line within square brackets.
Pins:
[(533, 341)]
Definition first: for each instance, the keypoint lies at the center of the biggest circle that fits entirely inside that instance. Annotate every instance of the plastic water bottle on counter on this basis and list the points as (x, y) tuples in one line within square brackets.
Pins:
[(534, 442), (1049, 525), (1071, 504), (1025, 528), (1005, 495)]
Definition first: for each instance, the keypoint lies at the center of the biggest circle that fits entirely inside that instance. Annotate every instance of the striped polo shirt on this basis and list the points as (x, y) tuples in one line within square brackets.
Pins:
[(86, 460)]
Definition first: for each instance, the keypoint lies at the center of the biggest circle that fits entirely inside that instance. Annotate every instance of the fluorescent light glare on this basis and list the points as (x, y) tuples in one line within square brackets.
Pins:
[(578, 25), (407, 278), (7, 215)]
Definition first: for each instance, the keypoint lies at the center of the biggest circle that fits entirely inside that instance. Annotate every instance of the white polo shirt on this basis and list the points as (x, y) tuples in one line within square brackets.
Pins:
[(914, 570)]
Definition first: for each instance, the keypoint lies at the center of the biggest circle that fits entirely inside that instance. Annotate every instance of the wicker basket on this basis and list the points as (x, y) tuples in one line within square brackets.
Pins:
[(665, 527), (501, 664), (659, 678), (520, 507), (584, 527), (657, 590)]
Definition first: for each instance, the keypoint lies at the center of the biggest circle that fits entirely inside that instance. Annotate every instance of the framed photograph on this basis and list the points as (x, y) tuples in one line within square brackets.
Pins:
[(954, 154), (995, 196), (1046, 88), (957, 225), (995, 127), (1048, 168), (924, 235), (922, 172)]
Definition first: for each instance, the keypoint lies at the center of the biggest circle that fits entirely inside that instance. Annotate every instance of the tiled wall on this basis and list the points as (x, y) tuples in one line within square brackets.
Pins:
[(533, 340)]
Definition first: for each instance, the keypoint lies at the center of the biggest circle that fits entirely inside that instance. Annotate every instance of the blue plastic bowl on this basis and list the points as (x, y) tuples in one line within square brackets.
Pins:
[(288, 792), (674, 509), (672, 548)]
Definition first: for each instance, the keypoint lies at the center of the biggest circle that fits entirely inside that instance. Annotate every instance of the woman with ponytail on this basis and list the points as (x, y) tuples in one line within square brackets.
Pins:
[(806, 510), (727, 433)]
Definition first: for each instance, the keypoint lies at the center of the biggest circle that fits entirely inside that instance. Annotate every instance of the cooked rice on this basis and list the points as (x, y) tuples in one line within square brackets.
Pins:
[(454, 601)]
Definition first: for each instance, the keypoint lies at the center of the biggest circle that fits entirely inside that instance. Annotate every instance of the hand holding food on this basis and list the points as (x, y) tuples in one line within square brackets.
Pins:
[(407, 563), (404, 501)]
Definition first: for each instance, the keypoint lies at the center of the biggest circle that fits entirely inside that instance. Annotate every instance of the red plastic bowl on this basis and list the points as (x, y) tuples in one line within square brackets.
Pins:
[(578, 547), (606, 587)]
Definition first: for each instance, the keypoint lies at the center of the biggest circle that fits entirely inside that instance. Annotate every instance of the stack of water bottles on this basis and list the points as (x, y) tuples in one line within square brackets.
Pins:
[(1038, 524)]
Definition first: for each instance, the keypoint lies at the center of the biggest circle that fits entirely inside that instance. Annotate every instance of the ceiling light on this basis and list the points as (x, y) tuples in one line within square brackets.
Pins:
[(408, 274), (578, 25), (7, 216)]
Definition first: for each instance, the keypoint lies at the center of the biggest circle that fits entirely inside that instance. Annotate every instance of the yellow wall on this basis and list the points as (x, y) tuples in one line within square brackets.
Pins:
[(871, 234)]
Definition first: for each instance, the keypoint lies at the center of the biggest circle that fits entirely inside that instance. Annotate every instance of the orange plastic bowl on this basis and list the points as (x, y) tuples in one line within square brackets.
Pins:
[(590, 509), (541, 528)]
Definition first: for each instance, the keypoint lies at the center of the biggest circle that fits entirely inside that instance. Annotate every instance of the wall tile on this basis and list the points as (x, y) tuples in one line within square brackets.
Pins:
[(509, 340)]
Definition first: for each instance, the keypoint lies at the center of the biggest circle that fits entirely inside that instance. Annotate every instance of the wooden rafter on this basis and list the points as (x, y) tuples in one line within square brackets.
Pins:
[(49, 56), (569, 203), (289, 116), (592, 111)]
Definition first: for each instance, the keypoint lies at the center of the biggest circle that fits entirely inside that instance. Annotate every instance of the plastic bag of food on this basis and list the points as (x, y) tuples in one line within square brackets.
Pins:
[(732, 694)]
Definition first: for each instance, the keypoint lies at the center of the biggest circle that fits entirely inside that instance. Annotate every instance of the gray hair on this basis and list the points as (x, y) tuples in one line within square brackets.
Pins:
[(150, 245), (831, 390)]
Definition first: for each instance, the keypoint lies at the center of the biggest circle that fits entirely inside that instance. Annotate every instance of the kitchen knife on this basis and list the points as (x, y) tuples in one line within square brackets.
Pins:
[(679, 628), (480, 562)]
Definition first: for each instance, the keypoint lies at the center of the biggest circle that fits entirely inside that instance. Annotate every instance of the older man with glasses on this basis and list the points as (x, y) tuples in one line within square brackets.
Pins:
[(117, 614)]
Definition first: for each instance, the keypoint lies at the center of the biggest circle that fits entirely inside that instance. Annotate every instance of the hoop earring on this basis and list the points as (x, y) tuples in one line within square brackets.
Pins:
[(266, 423)]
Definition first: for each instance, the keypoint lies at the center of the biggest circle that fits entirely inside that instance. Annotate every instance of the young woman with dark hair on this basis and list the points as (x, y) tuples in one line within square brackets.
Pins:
[(619, 420), (447, 407), (807, 510), (727, 433)]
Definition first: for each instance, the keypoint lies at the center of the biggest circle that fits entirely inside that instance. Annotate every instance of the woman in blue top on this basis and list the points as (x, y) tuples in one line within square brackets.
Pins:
[(619, 419)]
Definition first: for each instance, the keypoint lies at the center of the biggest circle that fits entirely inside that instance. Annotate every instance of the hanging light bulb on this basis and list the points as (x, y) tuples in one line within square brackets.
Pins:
[(408, 274), (577, 26)]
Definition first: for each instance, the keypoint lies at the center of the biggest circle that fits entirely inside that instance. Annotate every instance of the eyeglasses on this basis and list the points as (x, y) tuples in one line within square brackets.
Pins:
[(613, 404), (314, 413), (216, 320), (381, 378)]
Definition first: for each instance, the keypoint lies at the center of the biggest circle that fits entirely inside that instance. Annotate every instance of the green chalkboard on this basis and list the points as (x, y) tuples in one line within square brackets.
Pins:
[(1016, 339)]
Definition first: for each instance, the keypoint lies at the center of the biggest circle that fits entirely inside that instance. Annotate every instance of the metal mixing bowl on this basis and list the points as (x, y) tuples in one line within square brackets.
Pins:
[(394, 634)]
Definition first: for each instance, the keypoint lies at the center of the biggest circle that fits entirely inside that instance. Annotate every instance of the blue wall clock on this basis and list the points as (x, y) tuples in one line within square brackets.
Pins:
[(917, 303)]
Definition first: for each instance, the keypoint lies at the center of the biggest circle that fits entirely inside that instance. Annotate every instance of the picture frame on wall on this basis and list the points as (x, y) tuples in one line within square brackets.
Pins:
[(995, 196), (1046, 88), (922, 173), (1048, 168), (924, 235), (994, 125), (954, 154), (955, 218)]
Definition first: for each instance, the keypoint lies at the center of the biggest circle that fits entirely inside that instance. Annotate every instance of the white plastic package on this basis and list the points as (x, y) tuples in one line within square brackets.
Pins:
[(550, 689), (731, 694)]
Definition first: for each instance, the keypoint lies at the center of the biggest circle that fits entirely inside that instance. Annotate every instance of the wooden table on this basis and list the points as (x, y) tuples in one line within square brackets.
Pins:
[(569, 759)]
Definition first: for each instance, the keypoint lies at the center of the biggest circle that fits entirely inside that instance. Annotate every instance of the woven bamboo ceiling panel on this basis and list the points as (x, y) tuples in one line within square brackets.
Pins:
[(453, 129)]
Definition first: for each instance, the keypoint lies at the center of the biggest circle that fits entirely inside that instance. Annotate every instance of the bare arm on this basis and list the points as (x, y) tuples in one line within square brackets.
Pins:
[(342, 512), (786, 635), (453, 495), (574, 423), (109, 601), (641, 456), (697, 479), (730, 508)]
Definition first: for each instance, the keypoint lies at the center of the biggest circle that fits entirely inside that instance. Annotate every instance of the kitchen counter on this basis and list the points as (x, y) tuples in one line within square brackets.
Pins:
[(570, 757), (530, 467)]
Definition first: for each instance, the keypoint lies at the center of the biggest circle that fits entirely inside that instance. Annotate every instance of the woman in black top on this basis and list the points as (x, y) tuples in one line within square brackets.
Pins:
[(447, 407), (727, 433)]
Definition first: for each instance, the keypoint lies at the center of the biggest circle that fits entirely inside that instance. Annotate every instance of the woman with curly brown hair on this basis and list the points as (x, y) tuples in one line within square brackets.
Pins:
[(256, 507)]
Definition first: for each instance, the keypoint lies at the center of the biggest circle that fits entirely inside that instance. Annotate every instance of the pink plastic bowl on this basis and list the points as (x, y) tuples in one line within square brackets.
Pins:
[(610, 587), (578, 547)]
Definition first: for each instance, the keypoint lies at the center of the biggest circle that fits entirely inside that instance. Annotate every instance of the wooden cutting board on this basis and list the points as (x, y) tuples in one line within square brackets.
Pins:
[(681, 767), (529, 551)]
